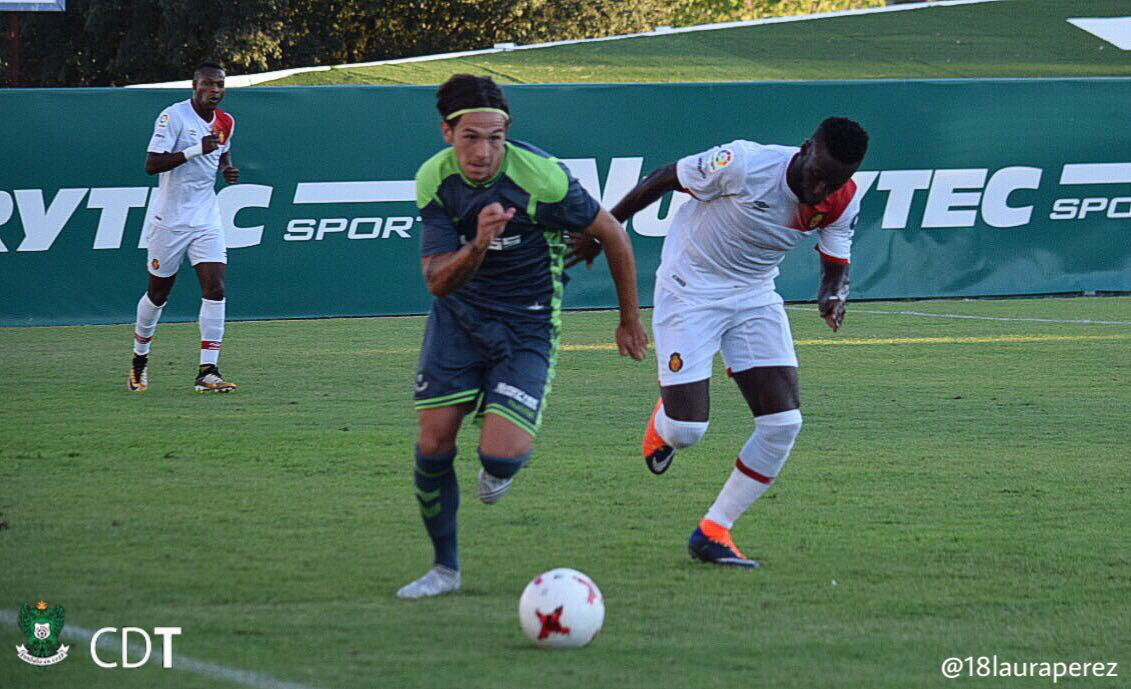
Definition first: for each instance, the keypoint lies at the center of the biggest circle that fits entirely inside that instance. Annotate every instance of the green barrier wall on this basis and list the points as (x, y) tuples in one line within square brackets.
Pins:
[(974, 187)]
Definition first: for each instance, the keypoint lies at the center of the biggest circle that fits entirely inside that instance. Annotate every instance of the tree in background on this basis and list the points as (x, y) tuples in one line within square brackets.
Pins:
[(117, 42)]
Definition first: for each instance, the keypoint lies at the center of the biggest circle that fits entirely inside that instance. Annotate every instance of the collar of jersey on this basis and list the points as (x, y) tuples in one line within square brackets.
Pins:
[(498, 174)]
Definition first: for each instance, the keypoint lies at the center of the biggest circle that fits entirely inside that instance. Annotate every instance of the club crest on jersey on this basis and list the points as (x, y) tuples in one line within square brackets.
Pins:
[(156, 264), (816, 220), (220, 133), (720, 160), (675, 363)]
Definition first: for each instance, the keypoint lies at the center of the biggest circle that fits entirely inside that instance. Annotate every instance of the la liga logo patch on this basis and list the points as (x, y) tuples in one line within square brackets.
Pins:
[(41, 624), (720, 159)]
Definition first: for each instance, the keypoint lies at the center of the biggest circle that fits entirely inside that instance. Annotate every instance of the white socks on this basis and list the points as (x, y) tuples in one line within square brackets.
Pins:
[(679, 434), (148, 314), (758, 464), (211, 330)]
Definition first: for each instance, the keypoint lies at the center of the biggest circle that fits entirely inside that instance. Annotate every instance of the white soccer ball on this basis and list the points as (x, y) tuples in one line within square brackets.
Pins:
[(561, 608)]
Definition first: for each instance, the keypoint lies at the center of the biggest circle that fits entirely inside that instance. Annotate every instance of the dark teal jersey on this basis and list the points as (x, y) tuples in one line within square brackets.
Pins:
[(521, 274)]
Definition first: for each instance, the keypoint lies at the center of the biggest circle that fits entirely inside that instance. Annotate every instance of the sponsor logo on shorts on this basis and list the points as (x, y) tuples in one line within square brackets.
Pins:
[(675, 363), (517, 395), (421, 384)]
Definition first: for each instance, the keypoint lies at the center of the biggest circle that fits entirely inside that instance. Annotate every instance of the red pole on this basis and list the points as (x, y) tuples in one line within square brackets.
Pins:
[(14, 49)]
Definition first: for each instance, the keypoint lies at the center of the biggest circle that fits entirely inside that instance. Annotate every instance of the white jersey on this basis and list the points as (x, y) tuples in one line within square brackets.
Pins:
[(742, 220), (186, 195)]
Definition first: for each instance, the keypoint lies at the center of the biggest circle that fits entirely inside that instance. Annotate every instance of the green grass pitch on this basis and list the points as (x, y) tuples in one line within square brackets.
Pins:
[(963, 482), (1008, 38)]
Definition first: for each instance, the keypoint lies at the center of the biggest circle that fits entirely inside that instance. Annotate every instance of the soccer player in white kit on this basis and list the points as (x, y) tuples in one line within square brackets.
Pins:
[(191, 140), (715, 293)]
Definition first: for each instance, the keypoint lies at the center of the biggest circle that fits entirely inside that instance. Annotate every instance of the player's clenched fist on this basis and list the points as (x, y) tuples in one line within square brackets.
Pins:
[(231, 174), (492, 221), (209, 143)]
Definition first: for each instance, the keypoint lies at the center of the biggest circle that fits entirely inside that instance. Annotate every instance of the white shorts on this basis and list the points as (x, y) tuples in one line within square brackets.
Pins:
[(168, 247), (748, 331)]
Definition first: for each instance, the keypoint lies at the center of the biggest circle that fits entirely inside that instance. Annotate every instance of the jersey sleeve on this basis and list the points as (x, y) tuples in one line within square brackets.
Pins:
[(576, 210), (835, 240), (713, 173), (227, 145), (165, 132), (438, 234)]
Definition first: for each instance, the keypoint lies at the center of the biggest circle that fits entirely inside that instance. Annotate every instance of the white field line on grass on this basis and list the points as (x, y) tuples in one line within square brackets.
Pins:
[(252, 79), (112, 645), (924, 314)]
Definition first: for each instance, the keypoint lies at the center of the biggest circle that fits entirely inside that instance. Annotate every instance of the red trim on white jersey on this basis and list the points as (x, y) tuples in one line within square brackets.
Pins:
[(830, 258), (826, 212), (223, 125)]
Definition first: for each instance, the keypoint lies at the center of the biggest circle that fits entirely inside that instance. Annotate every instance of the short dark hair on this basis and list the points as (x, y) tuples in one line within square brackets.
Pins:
[(207, 65), (463, 91), (844, 139)]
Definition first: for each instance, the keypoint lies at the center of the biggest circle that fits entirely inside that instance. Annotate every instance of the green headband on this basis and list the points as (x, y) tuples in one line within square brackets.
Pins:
[(457, 113)]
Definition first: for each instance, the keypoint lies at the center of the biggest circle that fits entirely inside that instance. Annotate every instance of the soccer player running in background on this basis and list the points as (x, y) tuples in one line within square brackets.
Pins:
[(191, 140), (494, 215), (715, 292)]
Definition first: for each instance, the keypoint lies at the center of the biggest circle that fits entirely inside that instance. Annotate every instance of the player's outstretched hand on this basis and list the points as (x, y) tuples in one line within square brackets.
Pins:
[(231, 174), (632, 339), (492, 221), (832, 310), (209, 143), (582, 247)]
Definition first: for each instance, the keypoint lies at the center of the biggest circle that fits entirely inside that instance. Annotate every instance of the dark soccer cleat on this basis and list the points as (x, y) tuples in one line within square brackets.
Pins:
[(658, 455), (210, 380), (718, 548), (139, 373)]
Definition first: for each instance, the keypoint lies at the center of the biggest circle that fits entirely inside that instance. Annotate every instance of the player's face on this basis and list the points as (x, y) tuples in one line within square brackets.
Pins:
[(480, 142), (208, 88), (820, 174)]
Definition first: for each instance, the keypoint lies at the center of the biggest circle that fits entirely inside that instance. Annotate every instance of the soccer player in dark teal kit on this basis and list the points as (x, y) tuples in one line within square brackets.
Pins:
[(495, 215)]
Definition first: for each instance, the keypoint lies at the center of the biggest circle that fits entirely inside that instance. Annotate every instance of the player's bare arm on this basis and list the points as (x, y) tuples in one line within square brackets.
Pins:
[(632, 339), (156, 163), (833, 293), (445, 273), (230, 171), (648, 191)]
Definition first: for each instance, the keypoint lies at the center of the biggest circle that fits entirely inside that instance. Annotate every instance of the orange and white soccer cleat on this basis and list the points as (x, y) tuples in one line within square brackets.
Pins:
[(658, 455), (210, 380), (711, 542), (139, 374)]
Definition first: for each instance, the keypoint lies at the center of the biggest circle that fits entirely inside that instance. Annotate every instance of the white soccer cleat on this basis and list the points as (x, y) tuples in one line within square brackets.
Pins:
[(436, 582), (491, 488)]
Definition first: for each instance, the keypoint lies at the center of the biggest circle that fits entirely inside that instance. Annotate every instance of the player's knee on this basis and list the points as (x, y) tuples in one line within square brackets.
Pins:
[(503, 467), (213, 293), (680, 434), (773, 439), (433, 443)]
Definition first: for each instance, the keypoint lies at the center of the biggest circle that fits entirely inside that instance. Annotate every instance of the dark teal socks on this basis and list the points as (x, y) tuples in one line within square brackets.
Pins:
[(438, 494)]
